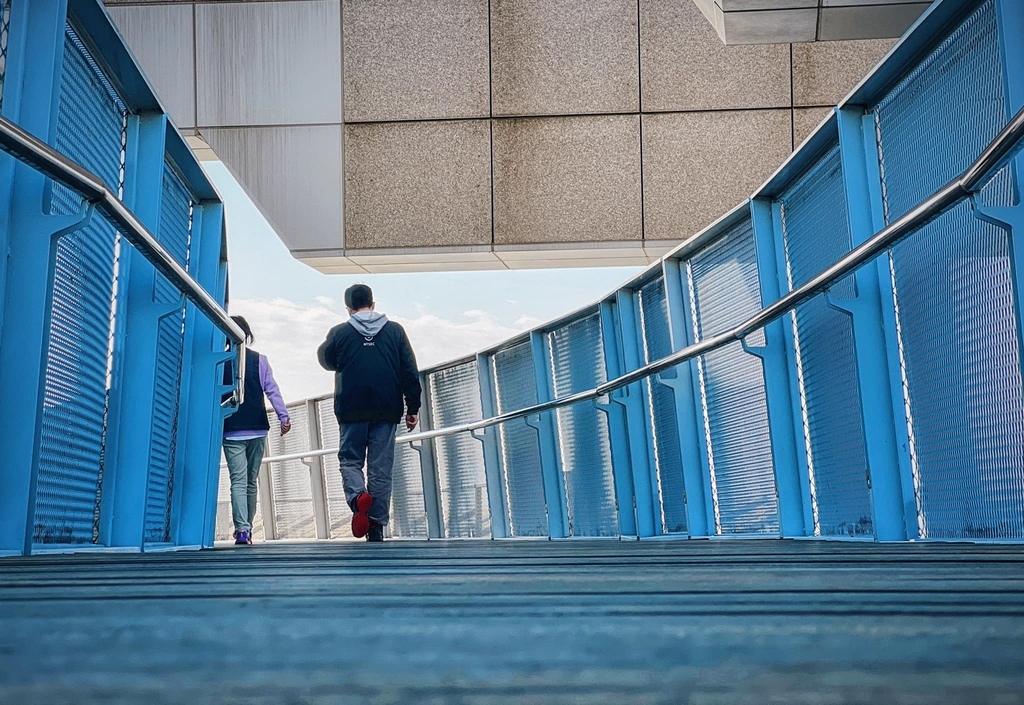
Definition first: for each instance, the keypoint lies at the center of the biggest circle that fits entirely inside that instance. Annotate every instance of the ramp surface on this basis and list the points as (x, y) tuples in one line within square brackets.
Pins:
[(492, 622)]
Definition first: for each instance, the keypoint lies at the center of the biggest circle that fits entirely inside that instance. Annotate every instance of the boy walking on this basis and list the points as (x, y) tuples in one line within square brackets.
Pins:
[(374, 368)]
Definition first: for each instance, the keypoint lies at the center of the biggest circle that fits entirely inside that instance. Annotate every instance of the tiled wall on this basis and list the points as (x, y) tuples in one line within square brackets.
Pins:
[(368, 129)]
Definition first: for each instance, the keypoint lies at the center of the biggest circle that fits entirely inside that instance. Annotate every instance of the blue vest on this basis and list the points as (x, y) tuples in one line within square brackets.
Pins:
[(252, 414)]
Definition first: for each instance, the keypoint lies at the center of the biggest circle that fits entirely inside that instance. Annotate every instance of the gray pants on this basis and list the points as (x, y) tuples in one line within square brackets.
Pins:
[(371, 443), (243, 458)]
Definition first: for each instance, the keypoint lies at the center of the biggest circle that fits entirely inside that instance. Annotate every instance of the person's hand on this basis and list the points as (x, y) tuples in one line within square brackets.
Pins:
[(410, 421), (286, 427)]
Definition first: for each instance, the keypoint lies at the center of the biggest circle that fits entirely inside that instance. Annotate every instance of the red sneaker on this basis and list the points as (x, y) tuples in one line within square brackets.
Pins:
[(360, 520)]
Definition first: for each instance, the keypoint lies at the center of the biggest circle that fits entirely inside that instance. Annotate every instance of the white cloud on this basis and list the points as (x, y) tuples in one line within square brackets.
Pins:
[(527, 322), (289, 333), (437, 340)]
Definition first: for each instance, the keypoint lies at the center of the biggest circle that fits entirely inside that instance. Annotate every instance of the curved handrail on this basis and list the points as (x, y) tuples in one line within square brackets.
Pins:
[(41, 156), (994, 157)]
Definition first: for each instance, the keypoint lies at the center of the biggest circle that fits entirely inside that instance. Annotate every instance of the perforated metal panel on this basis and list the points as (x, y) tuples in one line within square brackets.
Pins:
[(408, 513), (293, 493), (91, 130), (175, 234), (657, 343), (339, 514), (960, 346), (516, 388), (455, 399), (577, 364), (816, 234), (5, 26), (725, 291), (224, 526)]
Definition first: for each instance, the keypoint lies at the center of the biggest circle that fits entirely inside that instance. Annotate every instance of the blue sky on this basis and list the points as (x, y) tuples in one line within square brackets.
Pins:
[(291, 306)]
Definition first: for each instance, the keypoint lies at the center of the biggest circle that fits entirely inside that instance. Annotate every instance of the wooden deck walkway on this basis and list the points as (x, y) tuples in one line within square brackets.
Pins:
[(527, 622)]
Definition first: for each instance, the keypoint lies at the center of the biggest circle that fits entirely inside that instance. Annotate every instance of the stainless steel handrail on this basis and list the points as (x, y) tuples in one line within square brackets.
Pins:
[(998, 152), (44, 158)]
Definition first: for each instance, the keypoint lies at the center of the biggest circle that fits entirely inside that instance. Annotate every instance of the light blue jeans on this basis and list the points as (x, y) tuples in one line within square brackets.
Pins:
[(243, 458), (371, 443)]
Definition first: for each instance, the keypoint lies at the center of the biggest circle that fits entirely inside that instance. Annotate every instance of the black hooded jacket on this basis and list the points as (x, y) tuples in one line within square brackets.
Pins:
[(371, 372)]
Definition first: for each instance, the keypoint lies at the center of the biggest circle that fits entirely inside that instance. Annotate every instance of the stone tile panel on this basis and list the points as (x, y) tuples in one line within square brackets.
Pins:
[(161, 38), (417, 184), (415, 59), (564, 57), (805, 120), (825, 72), (698, 166), (293, 174), (567, 179), (268, 63), (685, 66)]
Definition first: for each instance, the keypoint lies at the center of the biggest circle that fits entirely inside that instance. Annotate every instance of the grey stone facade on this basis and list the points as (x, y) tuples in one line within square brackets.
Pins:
[(447, 134)]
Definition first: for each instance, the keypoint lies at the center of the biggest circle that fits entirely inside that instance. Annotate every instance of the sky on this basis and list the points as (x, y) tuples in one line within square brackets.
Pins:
[(448, 315)]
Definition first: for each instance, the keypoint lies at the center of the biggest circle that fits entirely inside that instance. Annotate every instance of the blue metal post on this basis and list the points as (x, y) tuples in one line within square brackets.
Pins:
[(140, 314), (778, 390), (31, 98), (11, 93), (1010, 19), (614, 408), (874, 331), (492, 457), (200, 436), (696, 482), (428, 470), (635, 481), (551, 468), (770, 213), (201, 424), (700, 401), (191, 400)]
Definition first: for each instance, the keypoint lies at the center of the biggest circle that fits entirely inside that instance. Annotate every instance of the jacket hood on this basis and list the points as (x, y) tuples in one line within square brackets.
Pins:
[(368, 323)]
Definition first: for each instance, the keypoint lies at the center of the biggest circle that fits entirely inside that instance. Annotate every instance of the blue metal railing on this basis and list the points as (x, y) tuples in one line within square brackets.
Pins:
[(679, 405), (118, 240)]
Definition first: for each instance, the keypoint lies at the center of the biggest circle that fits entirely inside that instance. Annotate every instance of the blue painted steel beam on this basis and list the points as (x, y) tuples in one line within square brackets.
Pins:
[(888, 471), (141, 316), (786, 444), (635, 483), (617, 423), (869, 198), (11, 100), (551, 468), (428, 470), (197, 466), (1010, 22), (194, 523), (700, 521), (496, 492), (1010, 19), (769, 213), (31, 96), (191, 402), (699, 401)]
